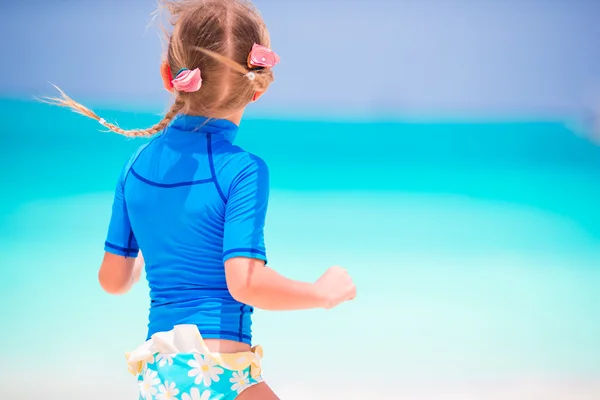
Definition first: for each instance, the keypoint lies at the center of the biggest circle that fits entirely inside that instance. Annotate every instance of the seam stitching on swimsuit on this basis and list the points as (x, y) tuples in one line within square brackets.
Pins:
[(212, 167), (244, 250), (169, 185)]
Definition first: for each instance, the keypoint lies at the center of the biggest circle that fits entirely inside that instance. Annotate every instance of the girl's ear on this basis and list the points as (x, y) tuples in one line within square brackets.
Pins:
[(165, 73), (257, 96)]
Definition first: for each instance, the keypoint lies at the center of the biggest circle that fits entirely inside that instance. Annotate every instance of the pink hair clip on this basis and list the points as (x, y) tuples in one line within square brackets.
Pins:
[(187, 81), (261, 56)]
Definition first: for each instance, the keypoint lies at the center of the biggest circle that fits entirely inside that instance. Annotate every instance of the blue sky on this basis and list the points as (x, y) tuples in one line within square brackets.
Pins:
[(446, 57)]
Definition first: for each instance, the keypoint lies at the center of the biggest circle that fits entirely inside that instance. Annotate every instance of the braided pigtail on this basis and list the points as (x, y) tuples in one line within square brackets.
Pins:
[(65, 101)]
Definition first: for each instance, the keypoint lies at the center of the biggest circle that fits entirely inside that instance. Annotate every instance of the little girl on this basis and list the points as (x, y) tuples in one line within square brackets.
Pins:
[(196, 204)]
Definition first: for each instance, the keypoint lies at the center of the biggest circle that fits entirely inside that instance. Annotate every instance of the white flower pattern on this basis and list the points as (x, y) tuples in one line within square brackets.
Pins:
[(148, 384), (168, 391), (164, 359), (240, 380), (204, 370), (195, 395), (166, 374)]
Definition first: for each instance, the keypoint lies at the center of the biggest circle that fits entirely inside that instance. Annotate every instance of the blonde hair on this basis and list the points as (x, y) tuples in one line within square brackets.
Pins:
[(215, 36)]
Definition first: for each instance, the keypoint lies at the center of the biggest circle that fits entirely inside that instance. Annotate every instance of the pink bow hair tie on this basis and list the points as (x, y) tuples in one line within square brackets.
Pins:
[(188, 81), (261, 56)]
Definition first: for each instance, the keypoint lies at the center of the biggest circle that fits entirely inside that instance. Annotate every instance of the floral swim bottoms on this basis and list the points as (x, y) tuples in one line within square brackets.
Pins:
[(177, 365)]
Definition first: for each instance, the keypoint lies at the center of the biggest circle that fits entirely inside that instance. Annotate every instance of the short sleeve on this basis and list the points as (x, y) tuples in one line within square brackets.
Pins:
[(120, 239), (246, 211)]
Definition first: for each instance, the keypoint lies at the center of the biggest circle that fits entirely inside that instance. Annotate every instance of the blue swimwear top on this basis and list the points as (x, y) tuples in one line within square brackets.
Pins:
[(191, 200)]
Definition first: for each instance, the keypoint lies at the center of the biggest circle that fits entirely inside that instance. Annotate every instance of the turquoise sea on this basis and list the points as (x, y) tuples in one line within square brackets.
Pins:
[(475, 247)]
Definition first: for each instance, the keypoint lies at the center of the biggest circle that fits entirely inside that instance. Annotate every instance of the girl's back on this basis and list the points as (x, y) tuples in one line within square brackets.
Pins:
[(192, 200)]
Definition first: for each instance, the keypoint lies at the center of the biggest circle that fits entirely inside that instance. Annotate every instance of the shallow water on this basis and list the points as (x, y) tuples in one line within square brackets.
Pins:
[(475, 248)]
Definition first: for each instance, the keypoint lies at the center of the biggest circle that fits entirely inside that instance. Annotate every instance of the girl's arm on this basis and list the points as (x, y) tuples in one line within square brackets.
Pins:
[(251, 282), (116, 273)]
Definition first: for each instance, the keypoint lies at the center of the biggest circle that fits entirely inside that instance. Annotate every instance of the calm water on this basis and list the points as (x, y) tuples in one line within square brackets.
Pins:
[(475, 248)]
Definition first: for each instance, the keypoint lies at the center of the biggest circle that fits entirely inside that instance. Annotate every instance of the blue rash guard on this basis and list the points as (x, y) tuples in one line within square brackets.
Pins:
[(191, 200)]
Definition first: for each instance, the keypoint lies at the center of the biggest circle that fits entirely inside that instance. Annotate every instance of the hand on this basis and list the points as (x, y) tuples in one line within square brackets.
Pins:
[(138, 266), (336, 287)]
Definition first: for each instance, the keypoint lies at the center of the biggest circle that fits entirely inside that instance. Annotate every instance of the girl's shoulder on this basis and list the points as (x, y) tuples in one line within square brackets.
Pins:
[(238, 165), (238, 159), (135, 156)]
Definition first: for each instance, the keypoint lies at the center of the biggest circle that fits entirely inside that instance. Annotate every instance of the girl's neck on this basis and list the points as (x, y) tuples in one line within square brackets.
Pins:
[(235, 117)]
